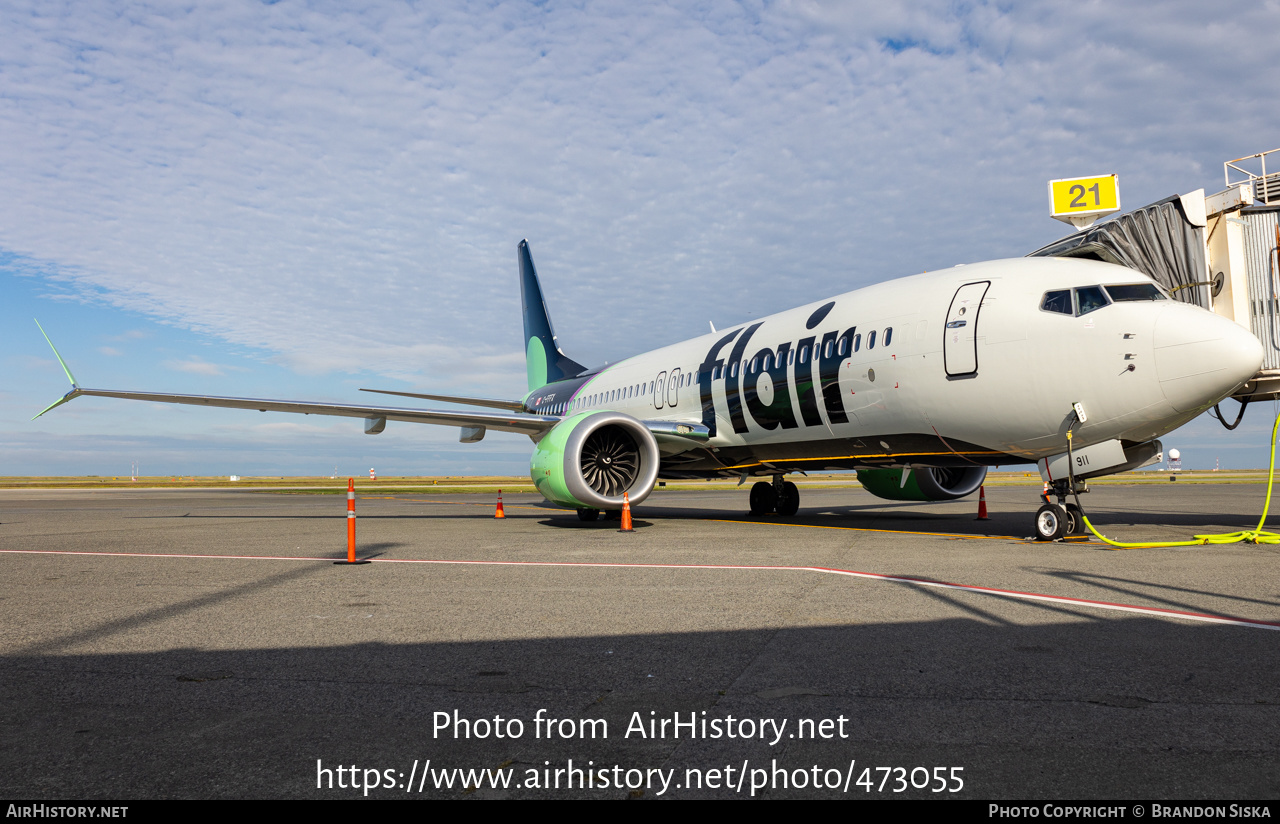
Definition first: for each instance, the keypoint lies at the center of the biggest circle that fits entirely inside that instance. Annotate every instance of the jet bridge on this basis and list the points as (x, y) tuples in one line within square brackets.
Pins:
[(1220, 252)]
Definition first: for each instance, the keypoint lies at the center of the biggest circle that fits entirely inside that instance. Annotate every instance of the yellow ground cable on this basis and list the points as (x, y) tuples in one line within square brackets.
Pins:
[(1256, 536)]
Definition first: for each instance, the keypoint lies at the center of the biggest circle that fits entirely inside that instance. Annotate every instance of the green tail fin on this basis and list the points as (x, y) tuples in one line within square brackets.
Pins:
[(544, 362)]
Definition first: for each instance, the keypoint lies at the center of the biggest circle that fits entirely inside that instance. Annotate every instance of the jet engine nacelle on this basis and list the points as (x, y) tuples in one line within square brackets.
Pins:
[(930, 483), (588, 460)]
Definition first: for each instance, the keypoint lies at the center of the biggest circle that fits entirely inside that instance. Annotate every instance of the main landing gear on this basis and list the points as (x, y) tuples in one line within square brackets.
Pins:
[(780, 496), (1061, 519), (589, 515)]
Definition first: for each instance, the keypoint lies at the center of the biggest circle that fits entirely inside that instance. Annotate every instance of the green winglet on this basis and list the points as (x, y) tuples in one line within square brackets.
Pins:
[(75, 388), (59, 402), (70, 376)]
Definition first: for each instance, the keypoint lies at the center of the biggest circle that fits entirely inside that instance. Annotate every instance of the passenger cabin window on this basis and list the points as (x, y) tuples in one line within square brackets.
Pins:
[(1090, 298), (1135, 291), (857, 342), (871, 340), (888, 335), (804, 355), (1059, 302)]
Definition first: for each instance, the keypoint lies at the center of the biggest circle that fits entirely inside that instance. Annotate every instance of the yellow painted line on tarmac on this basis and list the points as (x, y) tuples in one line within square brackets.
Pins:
[(453, 503), (768, 523), (886, 531)]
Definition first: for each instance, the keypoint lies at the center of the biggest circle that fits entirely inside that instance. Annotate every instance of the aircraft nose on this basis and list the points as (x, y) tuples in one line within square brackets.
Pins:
[(1201, 358)]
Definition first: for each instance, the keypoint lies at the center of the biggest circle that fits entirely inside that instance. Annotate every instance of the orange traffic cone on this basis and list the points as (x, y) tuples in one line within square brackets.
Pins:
[(626, 513), (1045, 493), (499, 513), (351, 525), (982, 504)]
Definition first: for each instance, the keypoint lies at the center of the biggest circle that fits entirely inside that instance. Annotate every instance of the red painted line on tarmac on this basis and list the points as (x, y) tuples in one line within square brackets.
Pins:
[(874, 576), (963, 535), (460, 503)]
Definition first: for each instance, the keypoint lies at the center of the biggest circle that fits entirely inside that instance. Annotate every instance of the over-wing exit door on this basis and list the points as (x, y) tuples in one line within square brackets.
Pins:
[(960, 344)]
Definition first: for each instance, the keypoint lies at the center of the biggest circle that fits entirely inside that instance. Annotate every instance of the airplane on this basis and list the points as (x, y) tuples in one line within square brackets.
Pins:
[(920, 384)]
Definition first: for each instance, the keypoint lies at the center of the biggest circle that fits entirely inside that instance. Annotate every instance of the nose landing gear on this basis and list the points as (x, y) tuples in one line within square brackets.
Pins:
[(1061, 519)]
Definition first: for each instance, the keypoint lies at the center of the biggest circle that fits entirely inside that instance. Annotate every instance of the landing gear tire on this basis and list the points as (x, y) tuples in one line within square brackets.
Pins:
[(588, 514), (788, 500), (1051, 522), (763, 499), (1075, 520)]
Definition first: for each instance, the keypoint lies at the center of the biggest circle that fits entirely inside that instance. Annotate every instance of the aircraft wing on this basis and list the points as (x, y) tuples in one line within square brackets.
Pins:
[(494, 403), (525, 424)]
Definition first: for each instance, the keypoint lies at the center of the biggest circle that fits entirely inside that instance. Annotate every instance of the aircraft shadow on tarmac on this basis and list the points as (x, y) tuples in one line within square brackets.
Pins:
[(1005, 524), (1029, 703), (907, 517), (573, 522), (1162, 594)]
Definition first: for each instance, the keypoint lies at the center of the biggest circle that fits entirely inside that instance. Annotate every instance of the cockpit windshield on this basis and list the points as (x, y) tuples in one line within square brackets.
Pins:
[(1089, 298), (1058, 302), (1085, 299), (1135, 291)]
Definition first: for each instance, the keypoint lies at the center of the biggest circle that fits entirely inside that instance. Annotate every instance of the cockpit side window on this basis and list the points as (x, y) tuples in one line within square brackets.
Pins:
[(1058, 301), (1135, 292), (1089, 298)]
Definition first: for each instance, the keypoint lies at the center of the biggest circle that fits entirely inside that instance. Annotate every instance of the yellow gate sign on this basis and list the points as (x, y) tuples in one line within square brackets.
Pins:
[(1082, 200)]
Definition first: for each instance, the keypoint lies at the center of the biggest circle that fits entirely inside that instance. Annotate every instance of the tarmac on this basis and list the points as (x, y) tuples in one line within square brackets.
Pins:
[(203, 644)]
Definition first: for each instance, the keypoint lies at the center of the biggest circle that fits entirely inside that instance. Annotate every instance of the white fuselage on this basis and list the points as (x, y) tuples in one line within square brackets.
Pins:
[(964, 360)]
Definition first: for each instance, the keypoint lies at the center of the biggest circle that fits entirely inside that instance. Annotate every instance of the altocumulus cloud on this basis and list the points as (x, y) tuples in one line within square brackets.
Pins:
[(342, 186), (195, 366)]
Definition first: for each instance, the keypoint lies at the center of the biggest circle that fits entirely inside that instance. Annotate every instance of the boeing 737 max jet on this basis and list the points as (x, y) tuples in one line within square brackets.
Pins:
[(920, 384)]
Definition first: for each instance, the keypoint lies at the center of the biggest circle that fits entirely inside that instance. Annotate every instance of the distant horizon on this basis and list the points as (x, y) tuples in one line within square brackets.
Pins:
[(1028, 469)]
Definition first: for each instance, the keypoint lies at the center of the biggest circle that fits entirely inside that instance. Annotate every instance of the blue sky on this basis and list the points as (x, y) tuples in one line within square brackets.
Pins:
[(298, 199)]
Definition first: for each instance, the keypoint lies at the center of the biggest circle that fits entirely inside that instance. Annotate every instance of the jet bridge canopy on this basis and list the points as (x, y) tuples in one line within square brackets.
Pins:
[(1164, 240), (1220, 252)]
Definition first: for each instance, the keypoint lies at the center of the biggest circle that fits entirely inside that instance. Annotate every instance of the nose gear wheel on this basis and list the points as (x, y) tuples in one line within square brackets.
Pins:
[(1051, 522)]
